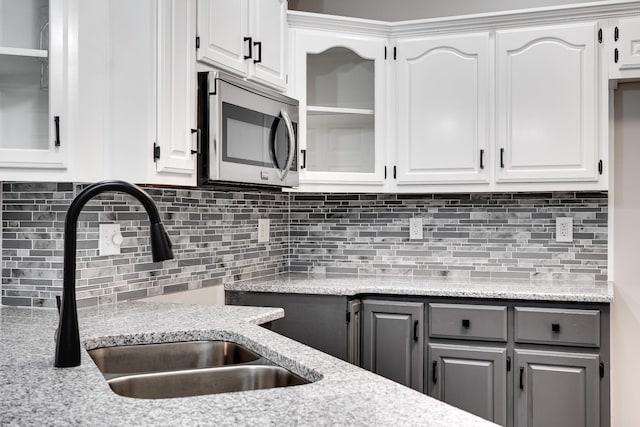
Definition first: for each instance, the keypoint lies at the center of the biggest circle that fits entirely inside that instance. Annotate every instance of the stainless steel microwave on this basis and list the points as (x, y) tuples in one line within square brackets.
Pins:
[(249, 133)]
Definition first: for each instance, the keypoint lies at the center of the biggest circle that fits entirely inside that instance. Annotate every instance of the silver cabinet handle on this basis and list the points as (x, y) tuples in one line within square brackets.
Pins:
[(292, 143)]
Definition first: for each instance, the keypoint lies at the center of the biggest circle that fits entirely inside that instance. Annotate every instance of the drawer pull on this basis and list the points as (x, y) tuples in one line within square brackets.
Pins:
[(555, 327), (466, 323)]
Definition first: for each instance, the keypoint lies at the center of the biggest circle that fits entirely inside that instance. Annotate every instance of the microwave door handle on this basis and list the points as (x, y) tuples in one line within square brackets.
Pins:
[(292, 143)]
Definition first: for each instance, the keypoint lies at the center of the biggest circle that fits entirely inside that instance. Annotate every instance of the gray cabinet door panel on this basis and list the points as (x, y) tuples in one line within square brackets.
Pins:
[(556, 389), (472, 378), (393, 339)]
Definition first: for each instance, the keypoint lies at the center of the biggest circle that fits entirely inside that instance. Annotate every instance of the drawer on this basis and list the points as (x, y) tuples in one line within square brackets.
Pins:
[(477, 322), (557, 326)]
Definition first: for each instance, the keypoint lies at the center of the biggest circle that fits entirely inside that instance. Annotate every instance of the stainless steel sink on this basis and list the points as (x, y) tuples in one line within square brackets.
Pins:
[(136, 359), (190, 368), (197, 382)]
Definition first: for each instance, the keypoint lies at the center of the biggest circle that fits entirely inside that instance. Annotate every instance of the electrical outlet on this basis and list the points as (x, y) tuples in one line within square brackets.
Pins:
[(415, 229), (110, 239), (564, 229), (263, 230)]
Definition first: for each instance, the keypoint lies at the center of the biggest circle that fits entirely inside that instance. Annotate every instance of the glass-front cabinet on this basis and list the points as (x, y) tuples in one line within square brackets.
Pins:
[(31, 48), (340, 81)]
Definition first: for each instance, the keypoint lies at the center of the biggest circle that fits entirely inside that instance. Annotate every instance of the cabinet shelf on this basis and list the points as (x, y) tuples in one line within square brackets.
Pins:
[(31, 53), (338, 110)]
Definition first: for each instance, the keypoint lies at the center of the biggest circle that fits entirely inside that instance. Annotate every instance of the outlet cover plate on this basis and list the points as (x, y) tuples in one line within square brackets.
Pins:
[(564, 229), (415, 229), (110, 239)]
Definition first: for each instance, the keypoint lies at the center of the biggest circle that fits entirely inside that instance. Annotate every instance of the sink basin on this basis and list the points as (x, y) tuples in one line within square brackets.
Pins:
[(189, 368), (136, 359), (197, 382)]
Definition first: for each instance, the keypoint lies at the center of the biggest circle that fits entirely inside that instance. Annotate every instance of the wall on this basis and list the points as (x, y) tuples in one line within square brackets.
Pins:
[(215, 238), (626, 237), (465, 235), (214, 235), (416, 9)]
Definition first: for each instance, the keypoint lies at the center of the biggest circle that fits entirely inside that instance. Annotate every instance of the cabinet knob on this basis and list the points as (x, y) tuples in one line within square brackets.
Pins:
[(466, 323), (555, 327)]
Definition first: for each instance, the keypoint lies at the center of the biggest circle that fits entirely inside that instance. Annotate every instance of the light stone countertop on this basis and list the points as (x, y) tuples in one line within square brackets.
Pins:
[(350, 285), (33, 392)]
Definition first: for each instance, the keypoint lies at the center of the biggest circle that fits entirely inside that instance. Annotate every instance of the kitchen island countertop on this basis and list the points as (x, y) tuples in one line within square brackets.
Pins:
[(33, 392), (493, 288)]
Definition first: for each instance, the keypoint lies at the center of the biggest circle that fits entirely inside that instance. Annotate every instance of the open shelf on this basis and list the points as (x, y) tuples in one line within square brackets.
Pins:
[(339, 110), (17, 51)]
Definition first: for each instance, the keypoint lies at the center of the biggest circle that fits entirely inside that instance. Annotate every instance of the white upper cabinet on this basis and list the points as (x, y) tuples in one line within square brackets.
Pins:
[(547, 121), (245, 37), (151, 124), (223, 30), (443, 109), (177, 133), (33, 119), (624, 45), (269, 23), (340, 83)]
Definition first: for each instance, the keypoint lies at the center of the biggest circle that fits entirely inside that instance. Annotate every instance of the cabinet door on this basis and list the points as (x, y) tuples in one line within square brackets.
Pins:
[(223, 26), (269, 32), (443, 109), (393, 339), (470, 378), (556, 389), (627, 45), (33, 77), (176, 97), (546, 103), (340, 82)]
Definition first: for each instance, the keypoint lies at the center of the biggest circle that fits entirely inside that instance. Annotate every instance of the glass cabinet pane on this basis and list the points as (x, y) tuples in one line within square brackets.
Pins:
[(24, 74), (340, 112), (340, 143)]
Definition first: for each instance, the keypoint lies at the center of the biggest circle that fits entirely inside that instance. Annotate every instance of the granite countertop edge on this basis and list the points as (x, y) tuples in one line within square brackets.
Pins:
[(351, 285)]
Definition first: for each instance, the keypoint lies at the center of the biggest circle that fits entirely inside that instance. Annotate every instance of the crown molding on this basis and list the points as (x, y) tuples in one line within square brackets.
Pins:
[(478, 22)]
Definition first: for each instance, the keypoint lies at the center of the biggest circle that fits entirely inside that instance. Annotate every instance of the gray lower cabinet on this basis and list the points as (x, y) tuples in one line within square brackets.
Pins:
[(472, 378), (393, 340), (556, 388), (319, 321)]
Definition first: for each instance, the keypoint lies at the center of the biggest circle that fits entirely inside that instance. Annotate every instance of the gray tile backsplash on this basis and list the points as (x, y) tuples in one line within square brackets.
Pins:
[(214, 234), (501, 235), (215, 238)]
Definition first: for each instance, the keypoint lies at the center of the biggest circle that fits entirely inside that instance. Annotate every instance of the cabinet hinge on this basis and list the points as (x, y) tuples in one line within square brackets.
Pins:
[(601, 370), (348, 316), (508, 363), (156, 152), (197, 42), (600, 35), (600, 167), (395, 53)]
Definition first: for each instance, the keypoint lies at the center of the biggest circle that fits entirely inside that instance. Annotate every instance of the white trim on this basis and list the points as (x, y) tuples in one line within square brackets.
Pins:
[(466, 23)]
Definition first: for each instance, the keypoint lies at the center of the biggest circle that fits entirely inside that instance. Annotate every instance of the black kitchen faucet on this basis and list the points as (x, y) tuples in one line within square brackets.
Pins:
[(68, 337)]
